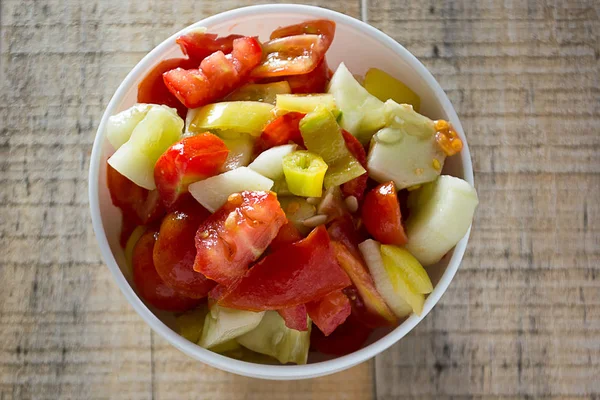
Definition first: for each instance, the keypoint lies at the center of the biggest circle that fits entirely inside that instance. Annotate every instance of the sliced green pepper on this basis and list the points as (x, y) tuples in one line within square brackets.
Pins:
[(323, 136), (263, 92), (385, 87), (304, 173), (305, 103), (239, 116)]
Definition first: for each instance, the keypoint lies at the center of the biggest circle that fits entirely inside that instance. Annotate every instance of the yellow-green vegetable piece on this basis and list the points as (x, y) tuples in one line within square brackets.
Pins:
[(304, 173), (225, 347), (191, 323), (415, 273), (305, 103), (402, 287), (405, 151), (386, 87), (263, 92), (240, 151), (362, 113), (120, 126), (238, 116), (441, 213), (223, 324), (129, 246), (323, 136), (273, 338), (155, 133)]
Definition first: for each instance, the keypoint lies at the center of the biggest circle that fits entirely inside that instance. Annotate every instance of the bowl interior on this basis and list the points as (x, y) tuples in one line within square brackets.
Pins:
[(359, 49)]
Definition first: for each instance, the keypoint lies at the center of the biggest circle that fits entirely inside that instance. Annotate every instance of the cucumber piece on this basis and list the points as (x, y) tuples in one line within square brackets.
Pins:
[(273, 338), (223, 324), (135, 159), (440, 215), (405, 151), (269, 163), (385, 87), (362, 113), (213, 192), (305, 103), (240, 151), (191, 323), (370, 250), (120, 126)]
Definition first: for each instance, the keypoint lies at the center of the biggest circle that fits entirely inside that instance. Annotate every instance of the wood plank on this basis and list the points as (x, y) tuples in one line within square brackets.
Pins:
[(520, 319)]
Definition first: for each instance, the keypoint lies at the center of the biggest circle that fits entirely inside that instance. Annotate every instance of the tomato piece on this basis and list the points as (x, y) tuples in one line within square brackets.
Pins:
[(295, 317), (381, 215), (347, 338), (313, 82), (291, 55), (152, 88), (219, 74), (139, 206), (357, 186), (175, 250), (198, 45), (189, 160), (295, 274), (329, 312), (149, 284), (287, 234), (237, 234), (358, 273), (343, 230), (281, 130), (323, 27)]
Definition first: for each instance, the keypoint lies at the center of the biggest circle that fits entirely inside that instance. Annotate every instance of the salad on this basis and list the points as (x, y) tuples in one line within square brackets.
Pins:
[(275, 206)]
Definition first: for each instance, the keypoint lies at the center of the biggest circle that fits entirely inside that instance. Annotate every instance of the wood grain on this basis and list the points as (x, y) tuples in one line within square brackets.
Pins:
[(65, 330), (522, 317)]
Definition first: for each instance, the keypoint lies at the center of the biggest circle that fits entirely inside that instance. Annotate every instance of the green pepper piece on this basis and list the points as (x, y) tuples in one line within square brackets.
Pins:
[(304, 173), (305, 103), (263, 92), (385, 87), (323, 136), (239, 116)]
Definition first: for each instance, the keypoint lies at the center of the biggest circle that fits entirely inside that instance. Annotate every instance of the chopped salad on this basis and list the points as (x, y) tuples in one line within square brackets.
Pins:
[(276, 206)]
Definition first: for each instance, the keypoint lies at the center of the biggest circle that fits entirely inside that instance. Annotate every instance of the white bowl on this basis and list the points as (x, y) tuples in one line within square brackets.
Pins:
[(360, 47)]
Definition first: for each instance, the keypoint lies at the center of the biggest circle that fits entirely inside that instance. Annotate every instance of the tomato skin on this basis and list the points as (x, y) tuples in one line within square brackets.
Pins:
[(295, 274), (189, 160), (148, 283), (152, 88), (175, 251), (199, 45), (280, 131), (236, 235), (357, 186), (139, 206), (329, 312), (323, 27), (381, 215), (296, 49), (295, 317), (218, 75), (343, 230), (347, 338), (313, 82), (287, 234), (358, 273)]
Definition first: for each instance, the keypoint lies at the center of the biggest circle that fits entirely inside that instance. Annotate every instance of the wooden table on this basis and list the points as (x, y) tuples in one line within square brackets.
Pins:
[(521, 319)]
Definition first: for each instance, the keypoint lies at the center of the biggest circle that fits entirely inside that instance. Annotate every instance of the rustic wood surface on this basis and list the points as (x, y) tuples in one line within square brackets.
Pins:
[(522, 318)]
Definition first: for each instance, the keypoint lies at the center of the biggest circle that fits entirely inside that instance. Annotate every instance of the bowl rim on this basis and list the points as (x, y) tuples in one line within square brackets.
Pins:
[(276, 372)]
